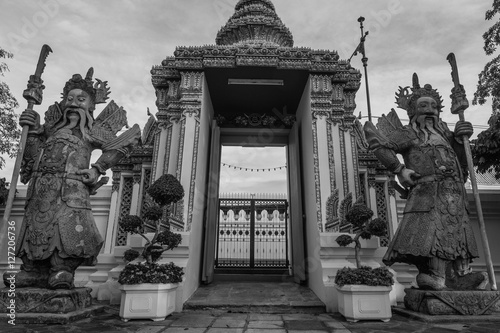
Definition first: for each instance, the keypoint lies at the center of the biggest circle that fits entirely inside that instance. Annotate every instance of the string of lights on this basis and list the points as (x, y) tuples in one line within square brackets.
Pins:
[(449, 123), (235, 167)]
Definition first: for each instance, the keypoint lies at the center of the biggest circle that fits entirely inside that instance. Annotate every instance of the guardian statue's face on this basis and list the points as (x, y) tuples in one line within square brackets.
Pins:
[(77, 108), (426, 106), (78, 99)]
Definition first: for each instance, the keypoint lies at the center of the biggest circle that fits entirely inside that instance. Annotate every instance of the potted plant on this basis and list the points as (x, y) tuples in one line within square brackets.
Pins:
[(148, 287), (363, 292)]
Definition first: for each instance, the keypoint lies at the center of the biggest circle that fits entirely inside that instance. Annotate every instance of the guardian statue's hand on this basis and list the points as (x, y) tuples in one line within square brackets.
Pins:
[(463, 128), (29, 118), (90, 176), (407, 177)]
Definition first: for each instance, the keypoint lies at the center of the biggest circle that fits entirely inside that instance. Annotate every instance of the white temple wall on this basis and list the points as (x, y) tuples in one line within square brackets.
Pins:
[(313, 263), (198, 197)]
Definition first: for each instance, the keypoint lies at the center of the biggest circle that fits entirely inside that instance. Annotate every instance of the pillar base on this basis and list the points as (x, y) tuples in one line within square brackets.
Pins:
[(45, 306), (465, 303)]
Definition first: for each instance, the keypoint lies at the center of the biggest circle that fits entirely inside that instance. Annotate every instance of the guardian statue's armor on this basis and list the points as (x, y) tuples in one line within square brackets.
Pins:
[(59, 233), (435, 233)]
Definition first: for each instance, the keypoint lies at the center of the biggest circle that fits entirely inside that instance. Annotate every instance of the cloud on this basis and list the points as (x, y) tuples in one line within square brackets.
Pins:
[(122, 40)]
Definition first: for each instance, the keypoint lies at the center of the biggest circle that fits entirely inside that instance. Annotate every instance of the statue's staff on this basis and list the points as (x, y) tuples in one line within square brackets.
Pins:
[(34, 95), (458, 105)]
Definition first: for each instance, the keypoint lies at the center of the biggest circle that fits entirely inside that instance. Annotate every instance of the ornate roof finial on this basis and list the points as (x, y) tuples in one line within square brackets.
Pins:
[(255, 22)]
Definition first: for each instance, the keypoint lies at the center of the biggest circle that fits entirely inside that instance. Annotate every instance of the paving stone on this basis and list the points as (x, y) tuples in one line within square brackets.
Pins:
[(225, 330), (262, 316), (324, 317), (304, 325), (193, 321), (308, 331), (229, 323), (266, 324), (333, 324), (184, 330), (300, 316), (265, 330), (151, 329), (234, 316)]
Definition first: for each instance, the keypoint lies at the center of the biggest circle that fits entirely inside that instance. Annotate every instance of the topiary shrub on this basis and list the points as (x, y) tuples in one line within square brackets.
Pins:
[(360, 216), (164, 191)]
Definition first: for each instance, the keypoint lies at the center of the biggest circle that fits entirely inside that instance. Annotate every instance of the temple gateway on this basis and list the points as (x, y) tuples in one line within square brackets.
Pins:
[(253, 88)]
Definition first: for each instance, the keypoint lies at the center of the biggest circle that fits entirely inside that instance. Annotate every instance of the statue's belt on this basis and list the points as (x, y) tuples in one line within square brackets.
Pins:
[(435, 178), (64, 175)]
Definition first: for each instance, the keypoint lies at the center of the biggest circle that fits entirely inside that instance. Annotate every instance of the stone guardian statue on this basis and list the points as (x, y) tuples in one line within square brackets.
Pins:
[(58, 233), (435, 233)]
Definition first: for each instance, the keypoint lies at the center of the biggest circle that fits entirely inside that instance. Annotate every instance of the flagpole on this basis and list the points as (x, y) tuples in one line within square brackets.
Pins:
[(365, 65)]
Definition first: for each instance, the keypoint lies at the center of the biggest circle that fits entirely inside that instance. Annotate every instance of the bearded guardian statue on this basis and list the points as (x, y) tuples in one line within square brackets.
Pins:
[(435, 233), (58, 233)]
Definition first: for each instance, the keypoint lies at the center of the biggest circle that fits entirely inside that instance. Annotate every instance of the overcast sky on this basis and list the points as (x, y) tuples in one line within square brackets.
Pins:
[(123, 39)]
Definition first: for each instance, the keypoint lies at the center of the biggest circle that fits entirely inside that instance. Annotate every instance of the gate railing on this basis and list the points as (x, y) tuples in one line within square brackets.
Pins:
[(252, 233)]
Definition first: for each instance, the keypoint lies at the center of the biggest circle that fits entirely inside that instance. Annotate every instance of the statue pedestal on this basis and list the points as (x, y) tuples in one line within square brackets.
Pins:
[(45, 306), (465, 303)]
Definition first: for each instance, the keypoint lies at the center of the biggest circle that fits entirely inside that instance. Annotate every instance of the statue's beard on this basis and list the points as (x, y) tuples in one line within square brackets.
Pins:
[(84, 122), (424, 124)]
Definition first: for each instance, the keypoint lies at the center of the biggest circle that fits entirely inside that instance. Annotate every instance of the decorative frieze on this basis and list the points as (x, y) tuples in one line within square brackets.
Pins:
[(343, 160), (331, 157), (354, 154), (349, 102), (219, 62), (321, 113), (321, 85), (181, 148), (191, 82), (317, 182), (168, 148), (137, 178), (116, 181), (155, 153), (194, 166), (257, 61)]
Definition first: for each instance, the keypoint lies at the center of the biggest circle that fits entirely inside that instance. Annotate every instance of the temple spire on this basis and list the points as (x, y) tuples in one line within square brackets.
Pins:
[(255, 22)]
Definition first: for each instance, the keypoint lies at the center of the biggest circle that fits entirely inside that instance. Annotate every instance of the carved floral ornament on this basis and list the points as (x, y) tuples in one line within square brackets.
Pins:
[(255, 49), (256, 120)]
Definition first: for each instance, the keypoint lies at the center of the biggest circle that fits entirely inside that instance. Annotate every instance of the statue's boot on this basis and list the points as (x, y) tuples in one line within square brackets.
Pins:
[(61, 279), (470, 281), (25, 279), (430, 282)]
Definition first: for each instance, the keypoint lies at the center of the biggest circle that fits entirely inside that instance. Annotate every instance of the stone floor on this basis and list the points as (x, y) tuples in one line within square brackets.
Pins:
[(276, 308), (222, 321)]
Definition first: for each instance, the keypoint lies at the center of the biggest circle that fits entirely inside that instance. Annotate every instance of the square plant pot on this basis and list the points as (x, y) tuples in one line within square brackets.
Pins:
[(362, 302), (147, 301)]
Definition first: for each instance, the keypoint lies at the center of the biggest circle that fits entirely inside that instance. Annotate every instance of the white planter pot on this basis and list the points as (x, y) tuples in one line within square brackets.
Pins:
[(362, 302), (147, 301)]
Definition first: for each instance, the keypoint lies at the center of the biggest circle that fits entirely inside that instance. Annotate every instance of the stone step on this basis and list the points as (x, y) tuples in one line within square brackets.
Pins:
[(221, 277), (255, 297)]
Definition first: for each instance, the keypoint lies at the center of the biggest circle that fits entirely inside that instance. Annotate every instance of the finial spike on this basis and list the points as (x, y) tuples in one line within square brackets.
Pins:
[(90, 74), (416, 84)]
